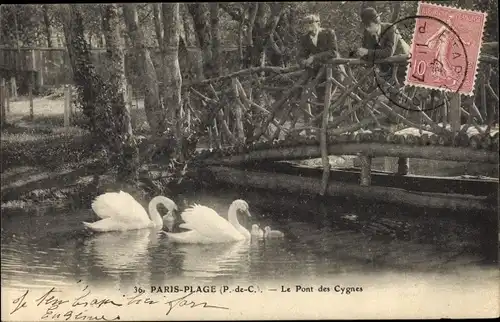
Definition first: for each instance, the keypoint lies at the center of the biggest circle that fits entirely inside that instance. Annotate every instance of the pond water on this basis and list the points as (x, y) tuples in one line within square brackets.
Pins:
[(45, 249)]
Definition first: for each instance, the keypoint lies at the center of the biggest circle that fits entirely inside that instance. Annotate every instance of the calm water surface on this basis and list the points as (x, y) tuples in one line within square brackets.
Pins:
[(53, 248)]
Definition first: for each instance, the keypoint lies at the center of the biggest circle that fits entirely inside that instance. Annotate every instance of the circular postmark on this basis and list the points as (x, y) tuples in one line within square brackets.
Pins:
[(447, 55)]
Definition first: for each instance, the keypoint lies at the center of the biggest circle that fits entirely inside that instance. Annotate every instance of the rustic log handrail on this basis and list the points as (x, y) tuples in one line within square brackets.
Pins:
[(398, 59)]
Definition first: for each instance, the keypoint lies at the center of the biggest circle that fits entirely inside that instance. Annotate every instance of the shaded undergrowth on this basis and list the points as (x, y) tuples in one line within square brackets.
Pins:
[(46, 167)]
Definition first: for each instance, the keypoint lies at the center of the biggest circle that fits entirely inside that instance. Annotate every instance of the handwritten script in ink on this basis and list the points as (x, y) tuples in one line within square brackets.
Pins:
[(57, 306)]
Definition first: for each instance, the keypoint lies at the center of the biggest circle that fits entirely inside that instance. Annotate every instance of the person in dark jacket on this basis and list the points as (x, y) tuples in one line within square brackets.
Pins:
[(381, 40), (317, 46), (316, 40)]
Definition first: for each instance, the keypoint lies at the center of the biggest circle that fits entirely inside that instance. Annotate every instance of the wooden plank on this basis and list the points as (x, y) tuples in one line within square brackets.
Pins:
[(312, 186), (435, 184)]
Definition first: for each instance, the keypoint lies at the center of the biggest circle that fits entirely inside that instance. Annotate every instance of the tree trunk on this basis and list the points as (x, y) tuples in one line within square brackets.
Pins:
[(201, 21), (123, 145), (157, 21), (46, 22), (84, 74), (173, 79), (186, 25), (214, 26), (154, 111)]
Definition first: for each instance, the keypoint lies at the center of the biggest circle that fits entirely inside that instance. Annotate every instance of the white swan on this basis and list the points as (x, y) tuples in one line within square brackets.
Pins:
[(268, 233), (207, 227), (119, 211), (256, 231)]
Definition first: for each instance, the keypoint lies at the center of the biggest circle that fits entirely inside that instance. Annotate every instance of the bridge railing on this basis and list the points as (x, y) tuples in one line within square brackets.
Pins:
[(269, 103)]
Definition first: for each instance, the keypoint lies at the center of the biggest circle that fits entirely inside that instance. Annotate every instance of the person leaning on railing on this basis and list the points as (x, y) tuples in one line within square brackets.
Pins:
[(317, 46), (381, 40), (316, 40)]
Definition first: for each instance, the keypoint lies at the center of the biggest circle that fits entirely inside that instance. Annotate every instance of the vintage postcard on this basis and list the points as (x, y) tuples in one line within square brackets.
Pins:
[(249, 161)]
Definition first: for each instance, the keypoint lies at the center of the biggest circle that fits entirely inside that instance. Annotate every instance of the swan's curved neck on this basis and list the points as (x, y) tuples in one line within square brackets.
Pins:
[(154, 215), (232, 216)]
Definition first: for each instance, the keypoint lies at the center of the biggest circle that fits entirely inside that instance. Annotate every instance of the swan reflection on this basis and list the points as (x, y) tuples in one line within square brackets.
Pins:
[(210, 261), (118, 251)]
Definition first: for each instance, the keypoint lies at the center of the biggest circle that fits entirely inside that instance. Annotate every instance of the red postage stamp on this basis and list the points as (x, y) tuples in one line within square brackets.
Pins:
[(445, 48)]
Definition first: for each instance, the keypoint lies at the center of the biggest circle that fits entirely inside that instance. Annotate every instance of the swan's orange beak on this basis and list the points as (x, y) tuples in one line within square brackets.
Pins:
[(248, 214)]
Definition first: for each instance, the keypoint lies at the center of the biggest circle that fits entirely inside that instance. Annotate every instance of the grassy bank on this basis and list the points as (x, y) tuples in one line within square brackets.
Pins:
[(44, 164)]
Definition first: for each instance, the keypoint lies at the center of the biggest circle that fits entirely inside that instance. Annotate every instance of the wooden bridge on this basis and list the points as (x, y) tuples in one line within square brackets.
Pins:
[(261, 117)]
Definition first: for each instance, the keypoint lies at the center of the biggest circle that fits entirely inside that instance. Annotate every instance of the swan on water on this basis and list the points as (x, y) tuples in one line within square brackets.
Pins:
[(256, 231), (207, 227), (119, 211), (268, 233)]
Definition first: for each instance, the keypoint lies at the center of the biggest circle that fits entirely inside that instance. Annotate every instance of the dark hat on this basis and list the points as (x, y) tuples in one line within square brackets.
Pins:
[(369, 15)]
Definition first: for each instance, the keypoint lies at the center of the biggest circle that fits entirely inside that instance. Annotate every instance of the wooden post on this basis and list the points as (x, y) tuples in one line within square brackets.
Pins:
[(484, 101), (322, 138), (403, 166), (446, 110), (7, 99), (366, 170), (67, 106), (41, 68), (13, 87), (30, 95), (455, 104), (3, 112)]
